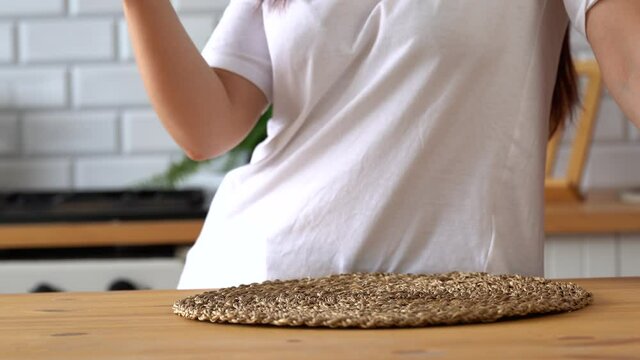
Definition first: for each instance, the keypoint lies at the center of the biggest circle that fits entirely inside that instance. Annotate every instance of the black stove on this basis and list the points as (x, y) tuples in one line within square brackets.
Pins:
[(79, 206)]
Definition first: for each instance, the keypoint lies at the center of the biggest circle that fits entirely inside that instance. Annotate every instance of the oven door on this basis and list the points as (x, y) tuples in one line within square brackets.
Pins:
[(24, 276)]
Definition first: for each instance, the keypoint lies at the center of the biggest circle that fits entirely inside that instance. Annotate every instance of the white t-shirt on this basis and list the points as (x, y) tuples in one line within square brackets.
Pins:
[(407, 136)]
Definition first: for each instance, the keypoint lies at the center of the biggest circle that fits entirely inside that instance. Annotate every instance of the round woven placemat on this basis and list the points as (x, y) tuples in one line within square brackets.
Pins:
[(372, 300)]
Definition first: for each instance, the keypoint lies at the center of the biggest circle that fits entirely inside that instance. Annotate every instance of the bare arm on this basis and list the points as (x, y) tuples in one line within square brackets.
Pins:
[(613, 29), (207, 111)]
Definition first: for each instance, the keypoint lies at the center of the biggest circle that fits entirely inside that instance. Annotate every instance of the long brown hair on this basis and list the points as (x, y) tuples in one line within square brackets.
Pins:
[(565, 92)]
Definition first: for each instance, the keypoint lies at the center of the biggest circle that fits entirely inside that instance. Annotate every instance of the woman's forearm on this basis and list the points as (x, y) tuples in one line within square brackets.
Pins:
[(186, 93)]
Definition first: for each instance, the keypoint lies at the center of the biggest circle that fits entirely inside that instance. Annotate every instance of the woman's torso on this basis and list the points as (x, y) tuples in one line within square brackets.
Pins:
[(407, 136)]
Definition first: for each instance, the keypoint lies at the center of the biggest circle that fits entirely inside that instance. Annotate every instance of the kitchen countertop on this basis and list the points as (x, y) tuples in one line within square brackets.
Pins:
[(601, 213), (103, 233), (141, 325)]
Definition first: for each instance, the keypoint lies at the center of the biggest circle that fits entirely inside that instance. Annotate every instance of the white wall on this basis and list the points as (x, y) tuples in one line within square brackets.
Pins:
[(73, 111)]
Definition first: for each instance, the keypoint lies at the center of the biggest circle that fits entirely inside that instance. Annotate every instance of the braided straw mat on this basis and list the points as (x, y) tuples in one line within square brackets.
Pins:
[(375, 300)]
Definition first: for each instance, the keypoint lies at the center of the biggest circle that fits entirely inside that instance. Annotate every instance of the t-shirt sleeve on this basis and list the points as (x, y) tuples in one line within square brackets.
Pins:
[(577, 11), (239, 44)]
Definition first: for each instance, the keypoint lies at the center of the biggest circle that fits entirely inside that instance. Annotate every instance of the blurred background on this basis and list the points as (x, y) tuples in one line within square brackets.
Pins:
[(74, 116)]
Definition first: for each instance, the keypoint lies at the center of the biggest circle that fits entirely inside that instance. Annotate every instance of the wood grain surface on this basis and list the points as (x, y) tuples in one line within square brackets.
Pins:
[(141, 325), (601, 213), (100, 233)]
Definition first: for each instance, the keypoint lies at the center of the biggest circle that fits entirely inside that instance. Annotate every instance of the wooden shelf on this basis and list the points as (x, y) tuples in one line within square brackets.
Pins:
[(601, 213), (106, 233)]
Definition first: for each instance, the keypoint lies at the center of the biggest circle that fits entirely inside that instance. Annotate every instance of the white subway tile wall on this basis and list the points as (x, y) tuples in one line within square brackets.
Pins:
[(98, 7), (633, 133), (28, 87), (51, 40), (6, 42), (36, 173), (8, 134), (101, 172), (87, 132), (110, 85), (73, 110), (32, 7), (143, 133)]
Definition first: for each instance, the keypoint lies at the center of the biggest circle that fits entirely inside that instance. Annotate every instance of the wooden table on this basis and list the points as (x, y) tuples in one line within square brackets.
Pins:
[(141, 325)]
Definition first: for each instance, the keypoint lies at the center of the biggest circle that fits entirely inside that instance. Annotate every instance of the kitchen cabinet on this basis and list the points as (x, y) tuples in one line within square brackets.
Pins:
[(599, 237)]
